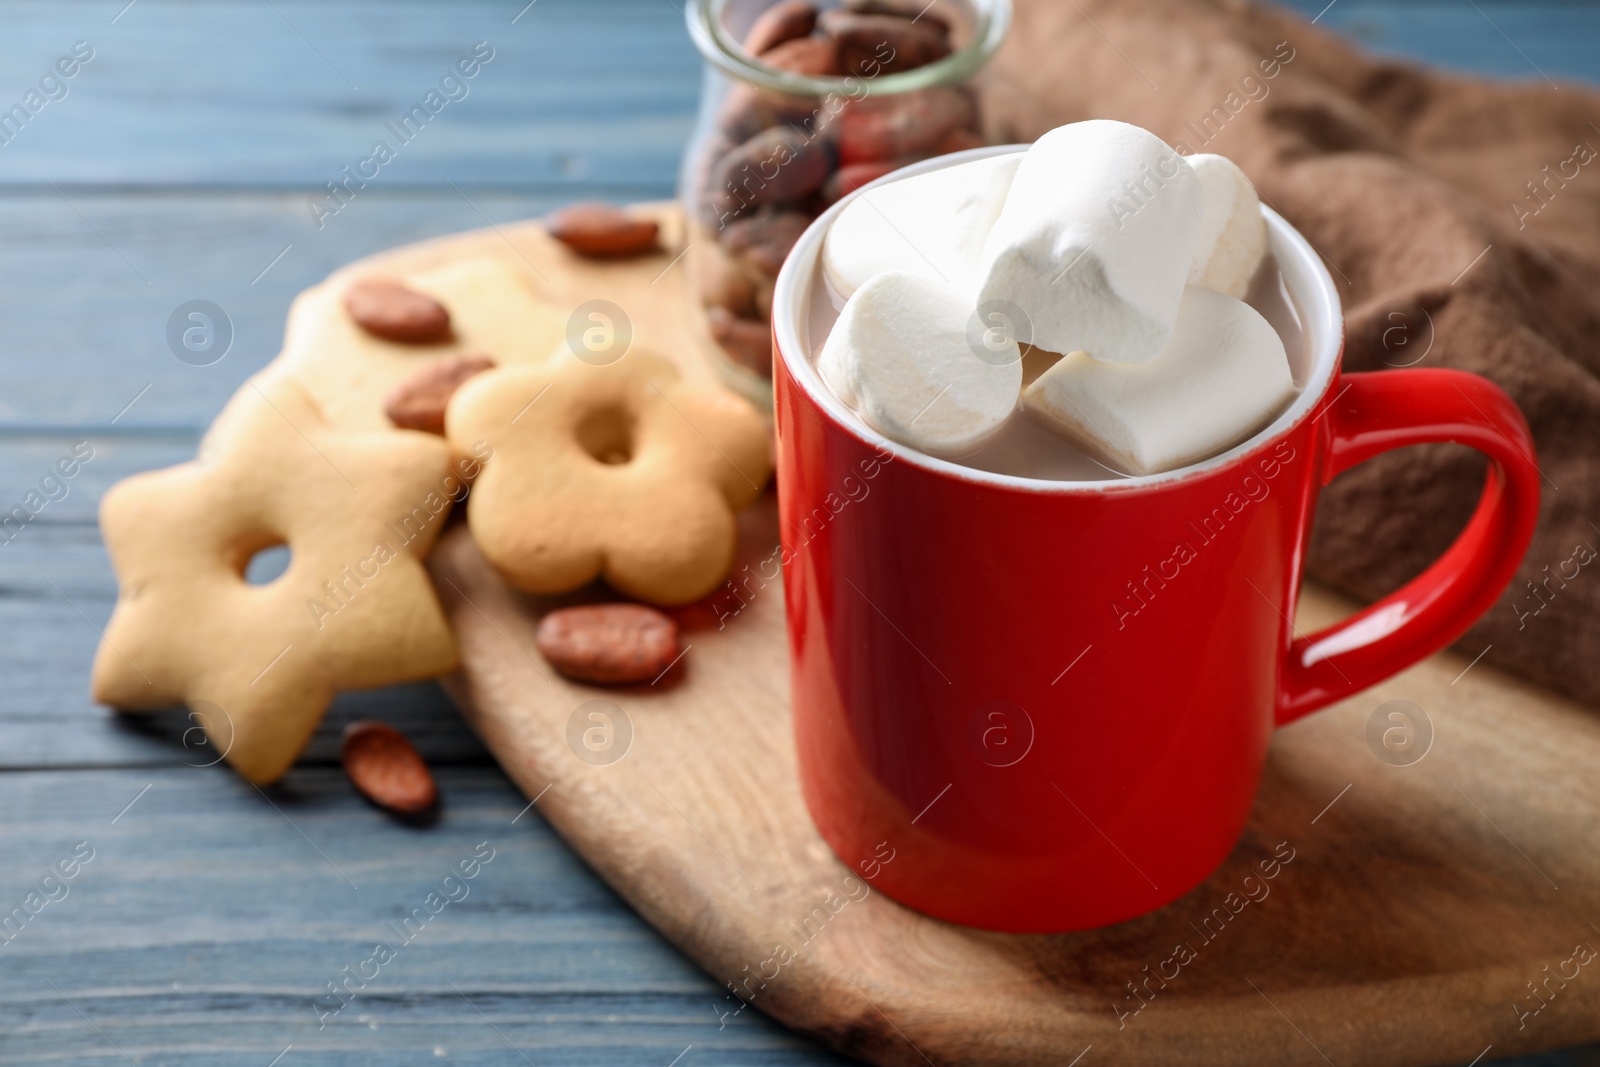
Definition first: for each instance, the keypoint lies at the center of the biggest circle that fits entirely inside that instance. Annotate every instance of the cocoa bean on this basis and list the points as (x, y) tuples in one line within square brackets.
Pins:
[(765, 237), (913, 10), (849, 178), (612, 644), (745, 111), (708, 203), (602, 231), (387, 309), (958, 140), (772, 167), (884, 127), (418, 402), (721, 280), (381, 763), (748, 342), (763, 285), (870, 45), (815, 57), (779, 23)]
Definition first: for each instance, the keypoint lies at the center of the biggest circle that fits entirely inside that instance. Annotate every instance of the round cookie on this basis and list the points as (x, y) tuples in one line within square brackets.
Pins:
[(622, 471)]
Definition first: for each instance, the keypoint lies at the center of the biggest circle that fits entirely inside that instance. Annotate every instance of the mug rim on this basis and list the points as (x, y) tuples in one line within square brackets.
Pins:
[(1311, 287)]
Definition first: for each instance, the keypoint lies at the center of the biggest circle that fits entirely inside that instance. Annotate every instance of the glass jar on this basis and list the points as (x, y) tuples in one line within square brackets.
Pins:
[(844, 96)]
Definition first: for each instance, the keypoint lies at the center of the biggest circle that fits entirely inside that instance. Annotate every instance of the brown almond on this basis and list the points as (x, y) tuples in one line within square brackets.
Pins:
[(748, 342), (418, 401), (385, 308), (870, 45), (382, 764), (779, 23), (815, 57), (603, 231), (612, 644)]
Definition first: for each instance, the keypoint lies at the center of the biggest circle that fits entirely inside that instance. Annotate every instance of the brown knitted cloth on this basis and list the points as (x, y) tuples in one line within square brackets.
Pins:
[(1402, 178)]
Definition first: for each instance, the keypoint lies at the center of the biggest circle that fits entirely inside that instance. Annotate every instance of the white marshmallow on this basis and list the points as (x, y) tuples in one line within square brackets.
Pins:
[(1094, 240), (1233, 235), (902, 354), (932, 224), (1224, 376)]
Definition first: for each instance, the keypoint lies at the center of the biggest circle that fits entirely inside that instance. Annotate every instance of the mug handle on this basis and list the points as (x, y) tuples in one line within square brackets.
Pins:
[(1372, 413)]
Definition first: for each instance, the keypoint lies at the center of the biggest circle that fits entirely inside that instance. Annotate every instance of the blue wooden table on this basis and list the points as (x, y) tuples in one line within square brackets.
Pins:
[(179, 163)]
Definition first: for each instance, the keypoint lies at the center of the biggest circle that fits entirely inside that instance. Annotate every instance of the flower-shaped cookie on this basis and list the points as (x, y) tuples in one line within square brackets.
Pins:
[(623, 471), (354, 609)]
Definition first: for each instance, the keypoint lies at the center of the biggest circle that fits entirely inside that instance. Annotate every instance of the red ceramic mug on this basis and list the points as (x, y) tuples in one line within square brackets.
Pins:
[(1050, 702)]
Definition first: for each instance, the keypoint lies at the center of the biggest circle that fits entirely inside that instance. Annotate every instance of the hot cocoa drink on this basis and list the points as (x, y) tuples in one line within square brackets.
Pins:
[(1093, 308)]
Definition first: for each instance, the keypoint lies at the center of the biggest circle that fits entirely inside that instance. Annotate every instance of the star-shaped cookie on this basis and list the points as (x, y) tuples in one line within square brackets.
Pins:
[(354, 610)]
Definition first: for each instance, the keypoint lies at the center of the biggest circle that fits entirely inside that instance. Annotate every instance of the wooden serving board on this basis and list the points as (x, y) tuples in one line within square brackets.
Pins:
[(1418, 902), (1418, 905)]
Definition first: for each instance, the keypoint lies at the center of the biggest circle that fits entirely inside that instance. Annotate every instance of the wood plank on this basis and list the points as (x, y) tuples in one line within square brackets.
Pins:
[(26, 461), (211, 916), (134, 259), (56, 591), (578, 93)]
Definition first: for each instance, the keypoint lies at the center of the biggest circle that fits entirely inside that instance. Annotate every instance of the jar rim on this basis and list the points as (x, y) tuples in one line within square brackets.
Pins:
[(721, 50)]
